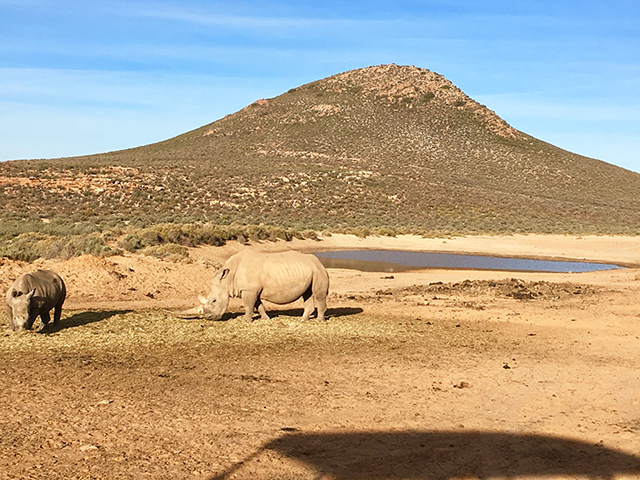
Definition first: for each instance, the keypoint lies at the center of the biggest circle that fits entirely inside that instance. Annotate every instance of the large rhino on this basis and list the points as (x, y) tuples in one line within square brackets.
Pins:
[(33, 294), (275, 277)]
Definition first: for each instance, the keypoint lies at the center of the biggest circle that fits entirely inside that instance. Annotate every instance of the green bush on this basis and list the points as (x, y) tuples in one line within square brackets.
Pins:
[(68, 247), (150, 237), (385, 232), (131, 242), (31, 246), (309, 234)]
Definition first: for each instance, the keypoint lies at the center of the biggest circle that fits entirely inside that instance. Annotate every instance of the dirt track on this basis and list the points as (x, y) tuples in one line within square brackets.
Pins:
[(408, 379)]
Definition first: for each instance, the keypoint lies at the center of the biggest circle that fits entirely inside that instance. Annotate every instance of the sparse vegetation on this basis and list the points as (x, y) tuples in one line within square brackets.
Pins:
[(31, 246), (166, 241), (383, 150)]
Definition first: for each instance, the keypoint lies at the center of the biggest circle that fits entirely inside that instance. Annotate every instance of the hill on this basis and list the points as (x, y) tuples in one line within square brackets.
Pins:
[(384, 146)]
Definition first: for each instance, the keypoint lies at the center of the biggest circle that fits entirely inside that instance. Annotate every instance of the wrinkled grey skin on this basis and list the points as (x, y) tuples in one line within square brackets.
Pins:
[(33, 294), (278, 278)]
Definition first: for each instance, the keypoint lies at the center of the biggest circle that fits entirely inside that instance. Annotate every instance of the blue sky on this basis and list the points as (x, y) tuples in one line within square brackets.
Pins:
[(81, 77)]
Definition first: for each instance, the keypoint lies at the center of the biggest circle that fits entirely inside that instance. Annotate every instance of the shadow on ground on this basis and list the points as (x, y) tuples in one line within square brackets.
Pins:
[(82, 318), (296, 312), (330, 313), (433, 455)]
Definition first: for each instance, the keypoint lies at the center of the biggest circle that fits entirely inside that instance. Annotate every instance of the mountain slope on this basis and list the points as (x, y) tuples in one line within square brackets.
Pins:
[(380, 146)]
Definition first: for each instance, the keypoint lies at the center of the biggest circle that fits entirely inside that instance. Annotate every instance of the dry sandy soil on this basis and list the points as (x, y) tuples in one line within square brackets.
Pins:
[(431, 374)]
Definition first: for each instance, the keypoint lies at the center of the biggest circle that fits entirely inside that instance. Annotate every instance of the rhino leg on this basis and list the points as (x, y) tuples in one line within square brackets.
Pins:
[(321, 303), (57, 313), (322, 308), (308, 305), (250, 300), (10, 315), (30, 321), (44, 316), (261, 310)]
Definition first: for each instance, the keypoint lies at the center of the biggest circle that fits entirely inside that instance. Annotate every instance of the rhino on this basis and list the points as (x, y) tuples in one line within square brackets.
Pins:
[(33, 294), (278, 278)]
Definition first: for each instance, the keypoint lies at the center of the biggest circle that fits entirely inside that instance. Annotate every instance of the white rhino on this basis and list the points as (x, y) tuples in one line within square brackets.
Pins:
[(33, 294), (278, 278)]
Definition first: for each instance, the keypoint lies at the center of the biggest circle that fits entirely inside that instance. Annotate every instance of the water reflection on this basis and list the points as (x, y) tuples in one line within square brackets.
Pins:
[(398, 260)]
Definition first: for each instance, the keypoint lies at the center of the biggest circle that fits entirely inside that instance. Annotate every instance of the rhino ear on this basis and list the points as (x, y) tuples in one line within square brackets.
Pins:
[(202, 299), (225, 272)]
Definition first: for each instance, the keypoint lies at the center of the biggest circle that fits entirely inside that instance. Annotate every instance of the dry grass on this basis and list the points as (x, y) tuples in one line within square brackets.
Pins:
[(133, 334), (100, 332)]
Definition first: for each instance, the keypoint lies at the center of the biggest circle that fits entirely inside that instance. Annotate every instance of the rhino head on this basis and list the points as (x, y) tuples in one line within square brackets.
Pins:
[(21, 306), (214, 306)]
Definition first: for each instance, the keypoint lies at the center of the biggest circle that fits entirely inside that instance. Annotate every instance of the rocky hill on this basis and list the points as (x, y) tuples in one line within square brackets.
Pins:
[(384, 146)]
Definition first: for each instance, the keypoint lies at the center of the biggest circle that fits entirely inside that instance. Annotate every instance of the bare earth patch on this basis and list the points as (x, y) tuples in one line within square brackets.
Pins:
[(433, 374)]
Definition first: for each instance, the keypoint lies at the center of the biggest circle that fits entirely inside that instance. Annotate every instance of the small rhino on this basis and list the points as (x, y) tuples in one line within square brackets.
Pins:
[(33, 294)]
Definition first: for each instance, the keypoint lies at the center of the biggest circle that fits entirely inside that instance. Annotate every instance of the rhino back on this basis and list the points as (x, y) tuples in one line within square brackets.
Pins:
[(280, 277), (49, 287)]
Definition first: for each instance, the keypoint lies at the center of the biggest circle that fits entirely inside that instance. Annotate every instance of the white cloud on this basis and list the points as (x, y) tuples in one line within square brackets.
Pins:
[(221, 15)]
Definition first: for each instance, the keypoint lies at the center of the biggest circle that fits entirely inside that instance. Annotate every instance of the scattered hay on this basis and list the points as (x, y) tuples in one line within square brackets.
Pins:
[(131, 333)]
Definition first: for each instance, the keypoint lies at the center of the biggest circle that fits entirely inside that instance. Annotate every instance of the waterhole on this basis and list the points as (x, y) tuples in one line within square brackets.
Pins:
[(398, 260)]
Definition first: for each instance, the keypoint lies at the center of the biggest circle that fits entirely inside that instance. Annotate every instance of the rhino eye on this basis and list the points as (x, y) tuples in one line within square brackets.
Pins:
[(213, 300)]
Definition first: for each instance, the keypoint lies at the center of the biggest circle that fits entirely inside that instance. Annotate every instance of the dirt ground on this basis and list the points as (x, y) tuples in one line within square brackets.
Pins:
[(430, 374)]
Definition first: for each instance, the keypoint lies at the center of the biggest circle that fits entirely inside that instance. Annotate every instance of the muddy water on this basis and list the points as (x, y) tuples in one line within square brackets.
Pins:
[(396, 261)]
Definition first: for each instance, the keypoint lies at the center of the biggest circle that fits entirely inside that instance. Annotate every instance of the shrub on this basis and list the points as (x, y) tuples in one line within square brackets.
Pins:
[(385, 232), (68, 247), (131, 242), (31, 246), (310, 234), (150, 237)]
